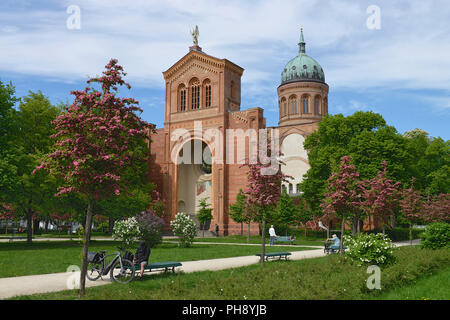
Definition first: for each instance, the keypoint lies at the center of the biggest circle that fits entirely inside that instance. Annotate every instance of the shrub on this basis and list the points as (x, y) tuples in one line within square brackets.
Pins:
[(184, 228), (126, 231), (370, 249), (436, 235), (150, 227)]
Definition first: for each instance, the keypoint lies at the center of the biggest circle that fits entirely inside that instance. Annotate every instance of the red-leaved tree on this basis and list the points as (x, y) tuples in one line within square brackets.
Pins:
[(99, 139), (437, 209), (411, 206), (382, 196), (344, 195)]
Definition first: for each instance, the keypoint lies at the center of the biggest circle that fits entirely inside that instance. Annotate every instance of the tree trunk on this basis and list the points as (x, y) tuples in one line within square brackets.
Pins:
[(46, 225), (87, 235), (341, 249), (110, 226), (6, 228), (263, 252), (354, 226), (248, 235), (410, 234), (36, 223), (242, 229), (29, 226)]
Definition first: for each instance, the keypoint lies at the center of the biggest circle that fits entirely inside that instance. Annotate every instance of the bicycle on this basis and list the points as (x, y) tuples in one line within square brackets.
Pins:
[(120, 270)]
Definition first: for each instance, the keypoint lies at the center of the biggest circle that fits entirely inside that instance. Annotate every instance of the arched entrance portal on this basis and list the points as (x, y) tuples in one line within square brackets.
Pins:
[(194, 181)]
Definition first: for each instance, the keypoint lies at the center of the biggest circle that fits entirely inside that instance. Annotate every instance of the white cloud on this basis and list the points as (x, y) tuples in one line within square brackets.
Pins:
[(411, 51)]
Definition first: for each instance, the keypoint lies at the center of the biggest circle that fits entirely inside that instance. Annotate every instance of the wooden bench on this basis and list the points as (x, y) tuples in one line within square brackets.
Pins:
[(159, 266), (285, 239), (273, 255)]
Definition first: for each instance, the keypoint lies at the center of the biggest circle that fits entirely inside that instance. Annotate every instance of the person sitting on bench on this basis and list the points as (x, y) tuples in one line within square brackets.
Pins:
[(141, 256), (336, 242)]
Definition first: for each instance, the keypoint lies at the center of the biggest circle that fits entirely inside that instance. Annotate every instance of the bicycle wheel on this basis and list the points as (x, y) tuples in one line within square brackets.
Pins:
[(124, 273), (93, 271)]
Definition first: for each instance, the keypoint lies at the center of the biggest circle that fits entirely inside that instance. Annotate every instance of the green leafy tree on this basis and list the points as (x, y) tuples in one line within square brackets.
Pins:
[(33, 192), (287, 211), (204, 214), (8, 131), (237, 210), (366, 137)]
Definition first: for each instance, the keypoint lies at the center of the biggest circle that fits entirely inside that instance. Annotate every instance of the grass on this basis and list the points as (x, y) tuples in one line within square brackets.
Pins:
[(20, 259), (327, 278), (434, 287), (257, 240)]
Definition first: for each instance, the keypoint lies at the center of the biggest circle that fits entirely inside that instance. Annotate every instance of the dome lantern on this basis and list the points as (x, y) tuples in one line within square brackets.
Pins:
[(302, 67)]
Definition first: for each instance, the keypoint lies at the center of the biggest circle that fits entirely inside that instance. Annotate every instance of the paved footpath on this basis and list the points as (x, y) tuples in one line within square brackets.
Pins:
[(26, 285)]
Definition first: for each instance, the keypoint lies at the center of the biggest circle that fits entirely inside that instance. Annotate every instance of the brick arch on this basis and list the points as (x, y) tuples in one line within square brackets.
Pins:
[(290, 131)]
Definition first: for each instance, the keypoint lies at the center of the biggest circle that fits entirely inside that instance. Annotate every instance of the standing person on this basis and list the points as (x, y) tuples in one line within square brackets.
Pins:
[(272, 235), (141, 257), (217, 230)]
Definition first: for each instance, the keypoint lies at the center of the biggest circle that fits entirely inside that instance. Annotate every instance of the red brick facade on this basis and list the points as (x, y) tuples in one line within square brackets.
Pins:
[(207, 90)]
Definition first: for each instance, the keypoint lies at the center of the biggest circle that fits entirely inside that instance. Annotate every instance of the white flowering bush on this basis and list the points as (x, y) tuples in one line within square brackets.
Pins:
[(373, 249), (184, 228), (126, 231)]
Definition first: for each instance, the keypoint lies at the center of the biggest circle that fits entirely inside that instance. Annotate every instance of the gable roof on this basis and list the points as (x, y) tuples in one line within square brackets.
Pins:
[(203, 57)]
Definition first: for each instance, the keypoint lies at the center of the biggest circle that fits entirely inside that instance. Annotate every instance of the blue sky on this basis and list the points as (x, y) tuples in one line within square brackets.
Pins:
[(401, 70)]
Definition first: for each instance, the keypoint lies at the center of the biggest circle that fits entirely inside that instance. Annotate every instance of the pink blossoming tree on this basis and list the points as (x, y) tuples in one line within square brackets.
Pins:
[(99, 139), (263, 192)]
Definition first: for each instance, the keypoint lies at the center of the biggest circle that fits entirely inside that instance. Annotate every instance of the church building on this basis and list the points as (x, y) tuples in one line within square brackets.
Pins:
[(202, 106)]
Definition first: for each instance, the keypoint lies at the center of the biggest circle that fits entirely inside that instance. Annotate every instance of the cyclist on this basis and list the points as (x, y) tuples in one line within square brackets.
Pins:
[(141, 256)]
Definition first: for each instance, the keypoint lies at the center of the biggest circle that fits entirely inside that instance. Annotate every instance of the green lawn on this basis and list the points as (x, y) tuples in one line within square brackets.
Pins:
[(434, 287), (328, 278), (20, 259), (257, 240)]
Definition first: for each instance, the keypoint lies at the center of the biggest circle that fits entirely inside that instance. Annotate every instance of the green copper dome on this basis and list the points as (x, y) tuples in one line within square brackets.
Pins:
[(302, 67)]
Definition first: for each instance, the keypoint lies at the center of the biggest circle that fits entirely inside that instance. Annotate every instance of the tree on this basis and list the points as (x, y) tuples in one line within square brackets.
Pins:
[(8, 131), (344, 194), (99, 141), (263, 192), (204, 214), (32, 193), (237, 210), (381, 196), (411, 205), (366, 137), (437, 209), (287, 211), (304, 212)]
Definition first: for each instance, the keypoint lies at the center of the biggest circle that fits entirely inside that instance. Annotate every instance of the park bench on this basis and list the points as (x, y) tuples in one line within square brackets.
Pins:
[(159, 266), (274, 255), (285, 239)]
